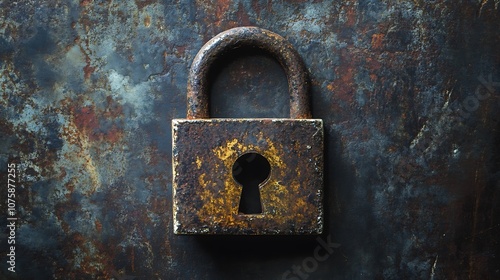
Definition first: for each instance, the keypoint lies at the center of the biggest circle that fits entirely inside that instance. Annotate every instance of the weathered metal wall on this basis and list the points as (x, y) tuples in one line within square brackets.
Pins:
[(408, 91)]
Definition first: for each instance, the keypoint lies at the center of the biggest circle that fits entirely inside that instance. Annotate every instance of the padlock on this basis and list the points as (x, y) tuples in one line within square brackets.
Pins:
[(276, 163)]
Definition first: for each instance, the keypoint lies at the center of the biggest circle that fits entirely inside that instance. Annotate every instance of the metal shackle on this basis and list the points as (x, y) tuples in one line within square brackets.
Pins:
[(265, 40)]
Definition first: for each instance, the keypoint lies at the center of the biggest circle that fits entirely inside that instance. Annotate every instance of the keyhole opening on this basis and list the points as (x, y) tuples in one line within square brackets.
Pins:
[(250, 171)]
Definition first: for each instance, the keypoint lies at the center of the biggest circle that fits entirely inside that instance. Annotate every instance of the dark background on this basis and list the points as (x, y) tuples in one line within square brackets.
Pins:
[(408, 91)]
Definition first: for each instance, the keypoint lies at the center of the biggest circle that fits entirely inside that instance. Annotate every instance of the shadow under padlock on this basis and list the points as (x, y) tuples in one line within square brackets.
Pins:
[(250, 176)]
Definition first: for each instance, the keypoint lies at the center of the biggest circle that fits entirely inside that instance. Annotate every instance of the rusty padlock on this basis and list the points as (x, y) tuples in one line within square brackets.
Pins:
[(276, 163)]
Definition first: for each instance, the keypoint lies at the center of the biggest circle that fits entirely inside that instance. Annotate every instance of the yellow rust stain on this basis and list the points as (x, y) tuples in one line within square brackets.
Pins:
[(274, 197), (272, 154), (198, 162), (226, 152), (201, 180), (147, 21), (220, 203), (229, 152), (330, 86), (218, 207)]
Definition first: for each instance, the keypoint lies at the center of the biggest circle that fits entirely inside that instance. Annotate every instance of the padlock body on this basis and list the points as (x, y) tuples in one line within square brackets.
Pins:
[(206, 195)]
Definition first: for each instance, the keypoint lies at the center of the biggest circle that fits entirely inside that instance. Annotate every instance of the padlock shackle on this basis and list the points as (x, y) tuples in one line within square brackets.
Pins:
[(269, 42)]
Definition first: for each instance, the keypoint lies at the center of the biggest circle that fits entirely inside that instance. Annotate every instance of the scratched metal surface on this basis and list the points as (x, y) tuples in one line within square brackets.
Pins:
[(206, 195), (409, 95)]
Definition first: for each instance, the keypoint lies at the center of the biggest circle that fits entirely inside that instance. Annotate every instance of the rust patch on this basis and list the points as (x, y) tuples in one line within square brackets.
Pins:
[(88, 70), (143, 3), (113, 135), (243, 16), (206, 196), (377, 41), (91, 122), (350, 14), (84, 3), (98, 226), (343, 87), (221, 9), (86, 120)]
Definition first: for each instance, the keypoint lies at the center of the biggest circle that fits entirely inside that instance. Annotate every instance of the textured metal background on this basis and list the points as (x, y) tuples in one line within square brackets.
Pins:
[(408, 91)]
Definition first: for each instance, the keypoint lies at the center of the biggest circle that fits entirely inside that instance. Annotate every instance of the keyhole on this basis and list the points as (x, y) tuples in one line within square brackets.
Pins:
[(250, 170)]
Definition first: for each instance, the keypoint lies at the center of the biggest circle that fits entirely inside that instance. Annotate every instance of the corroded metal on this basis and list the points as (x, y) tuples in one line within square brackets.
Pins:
[(408, 91), (265, 40), (205, 194)]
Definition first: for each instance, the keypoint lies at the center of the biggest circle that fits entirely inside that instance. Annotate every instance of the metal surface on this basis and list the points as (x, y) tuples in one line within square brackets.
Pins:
[(408, 91), (206, 196)]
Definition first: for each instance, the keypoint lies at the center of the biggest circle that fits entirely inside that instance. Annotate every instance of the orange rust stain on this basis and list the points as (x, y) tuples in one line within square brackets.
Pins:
[(85, 119), (343, 87), (377, 41), (85, 2), (330, 87), (242, 15), (220, 10), (88, 70), (89, 260), (113, 135), (373, 65), (98, 226), (351, 16), (78, 238)]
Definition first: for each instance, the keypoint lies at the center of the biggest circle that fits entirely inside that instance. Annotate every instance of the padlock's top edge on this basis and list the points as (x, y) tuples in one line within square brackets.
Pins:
[(247, 232)]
